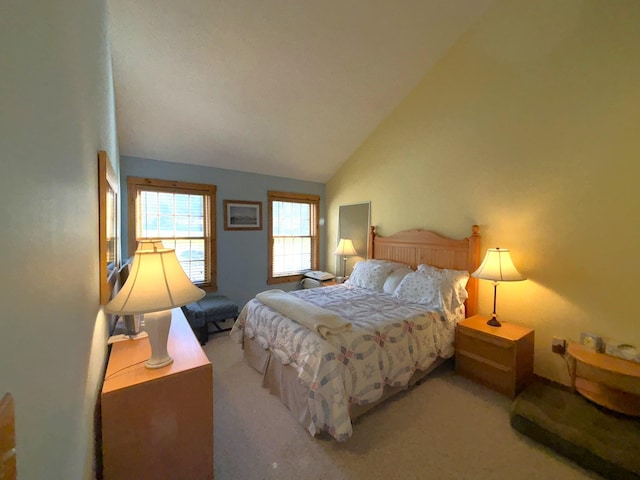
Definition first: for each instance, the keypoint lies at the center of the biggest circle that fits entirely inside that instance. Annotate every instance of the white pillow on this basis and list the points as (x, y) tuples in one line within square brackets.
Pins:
[(394, 279), (394, 265), (418, 288), (370, 275), (453, 284)]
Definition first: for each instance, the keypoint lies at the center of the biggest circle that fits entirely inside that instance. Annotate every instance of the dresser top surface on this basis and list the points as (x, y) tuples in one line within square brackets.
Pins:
[(126, 365)]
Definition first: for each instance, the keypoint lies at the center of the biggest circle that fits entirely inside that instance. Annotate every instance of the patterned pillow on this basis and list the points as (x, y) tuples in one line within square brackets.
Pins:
[(370, 275), (418, 288), (394, 279), (394, 265), (453, 284)]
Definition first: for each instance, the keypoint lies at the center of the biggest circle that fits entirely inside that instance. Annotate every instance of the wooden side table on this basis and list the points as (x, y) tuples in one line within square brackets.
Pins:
[(601, 385), (499, 357)]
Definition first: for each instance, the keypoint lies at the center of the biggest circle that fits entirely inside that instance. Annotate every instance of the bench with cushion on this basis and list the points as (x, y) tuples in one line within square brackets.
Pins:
[(591, 436), (209, 310)]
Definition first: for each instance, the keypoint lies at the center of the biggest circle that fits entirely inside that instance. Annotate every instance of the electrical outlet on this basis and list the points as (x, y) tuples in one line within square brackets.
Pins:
[(558, 345)]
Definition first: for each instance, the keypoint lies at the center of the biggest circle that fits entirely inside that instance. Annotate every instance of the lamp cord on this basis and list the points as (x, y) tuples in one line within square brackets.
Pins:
[(566, 360), (124, 368)]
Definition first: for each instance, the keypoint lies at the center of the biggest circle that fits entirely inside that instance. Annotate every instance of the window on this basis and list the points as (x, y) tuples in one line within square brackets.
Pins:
[(183, 216), (293, 235)]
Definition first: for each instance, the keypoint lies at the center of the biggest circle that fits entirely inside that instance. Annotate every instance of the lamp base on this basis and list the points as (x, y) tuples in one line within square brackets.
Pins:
[(493, 321), (157, 325), (164, 363)]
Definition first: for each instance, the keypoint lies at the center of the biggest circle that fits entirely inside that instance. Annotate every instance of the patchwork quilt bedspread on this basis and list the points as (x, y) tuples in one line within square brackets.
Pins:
[(389, 340)]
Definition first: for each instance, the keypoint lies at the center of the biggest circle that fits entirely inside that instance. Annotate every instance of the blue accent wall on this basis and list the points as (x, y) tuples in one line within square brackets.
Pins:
[(242, 255)]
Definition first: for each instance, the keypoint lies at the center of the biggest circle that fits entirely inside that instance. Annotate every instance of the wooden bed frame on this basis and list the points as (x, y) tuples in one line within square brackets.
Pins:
[(412, 247), (415, 247)]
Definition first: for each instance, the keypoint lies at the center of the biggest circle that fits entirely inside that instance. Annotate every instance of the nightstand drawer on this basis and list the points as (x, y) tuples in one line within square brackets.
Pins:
[(498, 377), (492, 349)]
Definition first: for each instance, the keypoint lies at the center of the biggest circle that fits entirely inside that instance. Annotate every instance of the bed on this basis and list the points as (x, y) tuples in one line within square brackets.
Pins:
[(361, 342)]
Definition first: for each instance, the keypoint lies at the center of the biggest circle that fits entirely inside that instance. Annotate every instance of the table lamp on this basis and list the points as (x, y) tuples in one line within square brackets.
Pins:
[(156, 284), (346, 249), (132, 322), (497, 266), (149, 244)]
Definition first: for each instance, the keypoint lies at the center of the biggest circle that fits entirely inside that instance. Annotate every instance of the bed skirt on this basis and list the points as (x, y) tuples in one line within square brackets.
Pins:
[(282, 381)]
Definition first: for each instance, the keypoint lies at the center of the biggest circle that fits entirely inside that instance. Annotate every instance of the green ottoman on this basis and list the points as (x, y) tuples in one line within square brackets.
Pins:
[(211, 309)]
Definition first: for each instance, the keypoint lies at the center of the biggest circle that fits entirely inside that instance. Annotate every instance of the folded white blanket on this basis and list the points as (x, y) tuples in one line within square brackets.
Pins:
[(311, 316)]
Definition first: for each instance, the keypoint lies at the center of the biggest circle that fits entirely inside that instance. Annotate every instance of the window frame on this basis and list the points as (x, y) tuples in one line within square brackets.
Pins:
[(135, 184), (314, 201)]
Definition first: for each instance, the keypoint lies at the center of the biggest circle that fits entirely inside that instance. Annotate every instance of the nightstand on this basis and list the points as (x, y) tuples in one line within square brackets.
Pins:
[(499, 357), (312, 283)]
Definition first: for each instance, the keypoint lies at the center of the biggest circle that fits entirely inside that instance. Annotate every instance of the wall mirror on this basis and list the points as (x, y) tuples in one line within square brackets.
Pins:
[(353, 222), (108, 226)]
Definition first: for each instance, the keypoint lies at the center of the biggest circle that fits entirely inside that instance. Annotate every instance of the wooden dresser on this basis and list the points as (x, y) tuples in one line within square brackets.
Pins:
[(158, 423), (498, 357), (8, 468)]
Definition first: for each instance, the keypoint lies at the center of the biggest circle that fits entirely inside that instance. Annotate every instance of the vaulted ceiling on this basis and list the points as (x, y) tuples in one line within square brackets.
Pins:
[(279, 87)]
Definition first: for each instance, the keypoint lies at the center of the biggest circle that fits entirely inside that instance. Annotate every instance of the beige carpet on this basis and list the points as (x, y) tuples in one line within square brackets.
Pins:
[(445, 428)]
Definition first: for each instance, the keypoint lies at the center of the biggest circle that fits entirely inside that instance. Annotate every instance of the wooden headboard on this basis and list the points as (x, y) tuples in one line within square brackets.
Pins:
[(415, 247)]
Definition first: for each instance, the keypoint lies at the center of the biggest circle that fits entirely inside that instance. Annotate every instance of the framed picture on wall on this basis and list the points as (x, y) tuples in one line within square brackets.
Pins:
[(242, 215), (108, 226)]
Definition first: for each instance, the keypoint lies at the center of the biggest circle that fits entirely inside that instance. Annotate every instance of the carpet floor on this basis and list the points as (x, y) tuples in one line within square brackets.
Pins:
[(445, 428)]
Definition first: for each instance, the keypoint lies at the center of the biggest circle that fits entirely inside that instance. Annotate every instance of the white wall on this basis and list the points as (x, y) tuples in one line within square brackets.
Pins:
[(56, 112), (530, 127)]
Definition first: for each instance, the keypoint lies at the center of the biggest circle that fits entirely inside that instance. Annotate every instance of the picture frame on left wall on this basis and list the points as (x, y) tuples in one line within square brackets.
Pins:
[(242, 215), (107, 226)]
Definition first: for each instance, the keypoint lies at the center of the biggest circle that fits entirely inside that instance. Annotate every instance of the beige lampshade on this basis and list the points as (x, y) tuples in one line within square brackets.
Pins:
[(156, 282), (498, 266), (345, 248), (148, 244)]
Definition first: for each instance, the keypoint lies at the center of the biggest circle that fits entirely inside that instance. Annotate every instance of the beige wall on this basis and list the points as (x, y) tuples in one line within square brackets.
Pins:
[(530, 127), (56, 112)]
